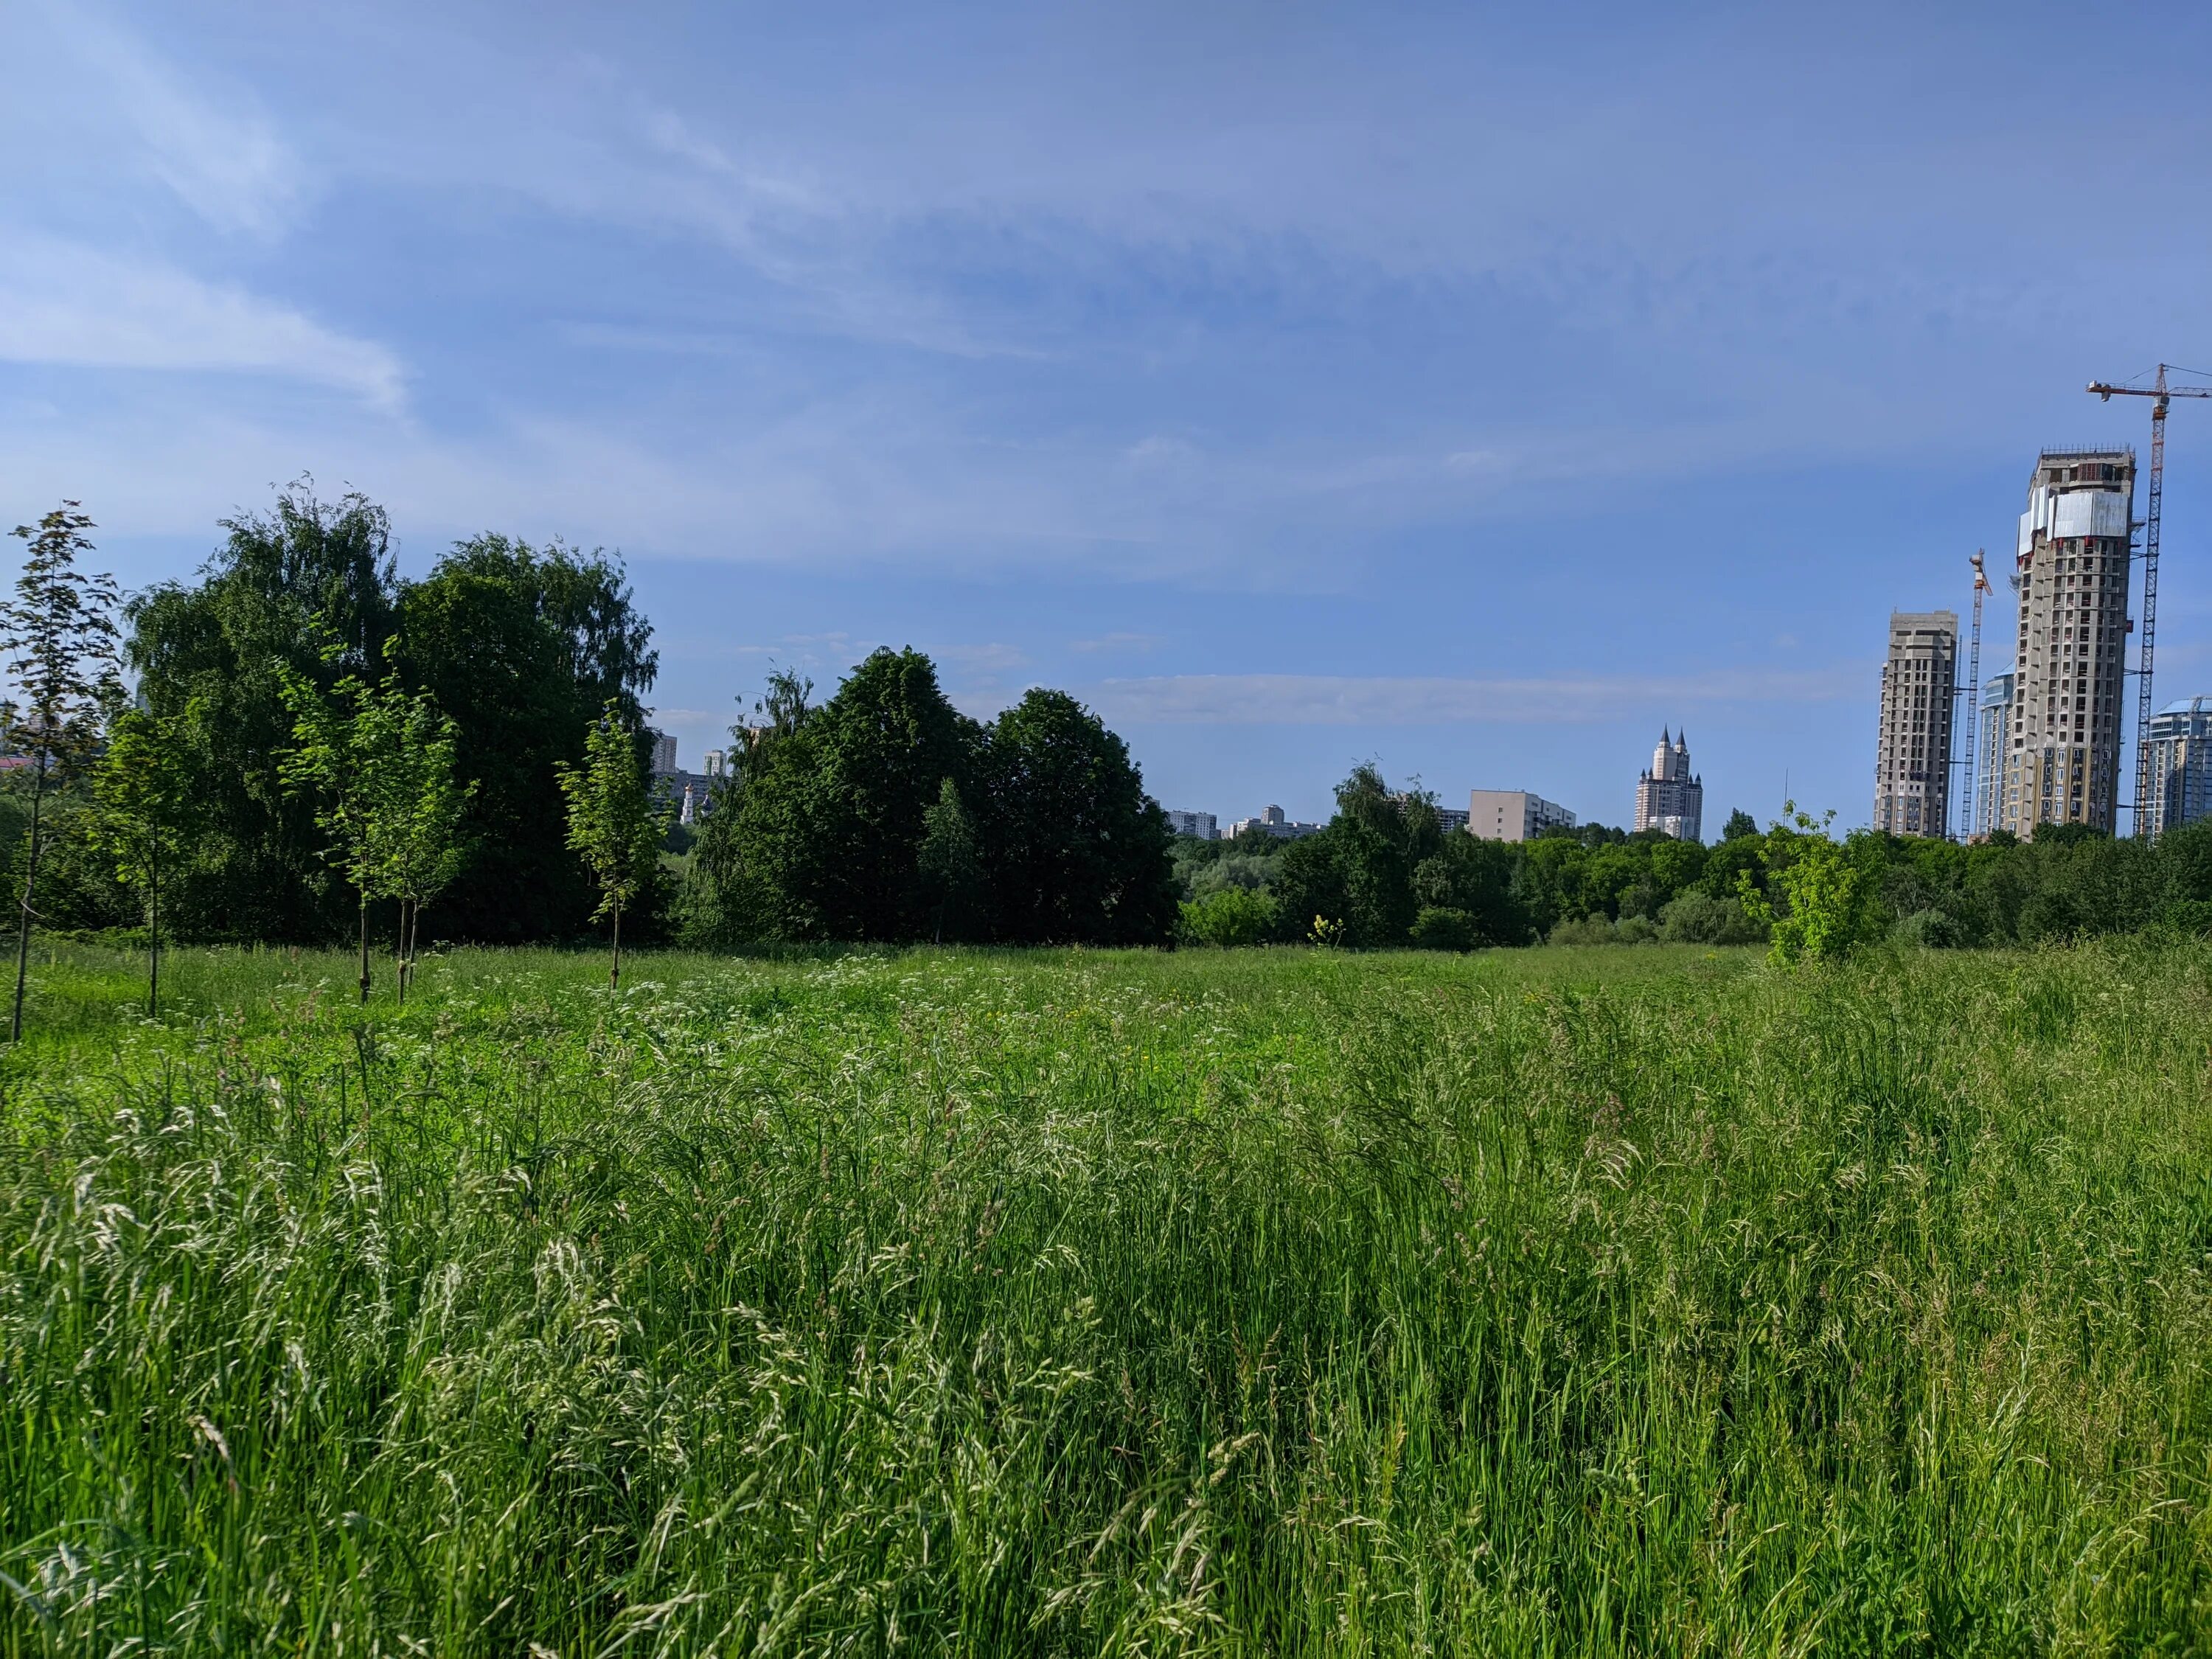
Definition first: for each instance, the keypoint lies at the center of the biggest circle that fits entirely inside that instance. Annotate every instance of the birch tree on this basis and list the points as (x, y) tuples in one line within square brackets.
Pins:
[(59, 638), (138, 817), (612, 824)]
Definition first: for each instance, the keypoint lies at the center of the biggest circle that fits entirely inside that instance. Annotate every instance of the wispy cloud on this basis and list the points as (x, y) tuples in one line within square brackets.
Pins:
[(1385, 700), (61, 302), (223, 159)]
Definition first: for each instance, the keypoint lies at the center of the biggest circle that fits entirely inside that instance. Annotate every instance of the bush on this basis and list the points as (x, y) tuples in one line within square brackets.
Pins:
[(1227, 918), (1581, 930), (1439, 928), (1698, 917), (1930, 929), (1816, 906)]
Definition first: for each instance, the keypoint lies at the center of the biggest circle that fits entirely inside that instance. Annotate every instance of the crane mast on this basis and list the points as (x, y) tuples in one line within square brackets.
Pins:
[(2159, 393), (1973, 698)]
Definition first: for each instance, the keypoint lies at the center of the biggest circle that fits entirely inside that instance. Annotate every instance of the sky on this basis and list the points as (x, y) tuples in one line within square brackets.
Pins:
[(1473, 390)]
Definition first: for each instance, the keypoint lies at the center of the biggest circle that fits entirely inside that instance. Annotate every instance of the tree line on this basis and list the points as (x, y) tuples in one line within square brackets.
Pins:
[(314, 748), (1384, 873)]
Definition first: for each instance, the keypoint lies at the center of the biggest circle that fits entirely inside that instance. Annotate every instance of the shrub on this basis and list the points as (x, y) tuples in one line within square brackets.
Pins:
[(1228, 917), (1440, 928), (1931, 929), (1698, 917), (1582, 930), (1821, 913)]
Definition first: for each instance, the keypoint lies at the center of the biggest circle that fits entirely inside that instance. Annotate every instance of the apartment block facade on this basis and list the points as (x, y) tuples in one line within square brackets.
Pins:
[(1912, 748), (2071, 572), (1992, 742), (2180, 764), (1512, 815)]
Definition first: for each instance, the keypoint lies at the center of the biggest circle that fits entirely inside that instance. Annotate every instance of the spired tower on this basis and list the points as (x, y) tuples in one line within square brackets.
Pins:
[(1669, 796)]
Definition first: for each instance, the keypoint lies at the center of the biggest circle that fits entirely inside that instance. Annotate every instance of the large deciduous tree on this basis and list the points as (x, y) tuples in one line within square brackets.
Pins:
[(950, 867), (523, 647), (725, 899), (830, 826), (1353, 883), (286, 584), (58, 638), (1076, 851)]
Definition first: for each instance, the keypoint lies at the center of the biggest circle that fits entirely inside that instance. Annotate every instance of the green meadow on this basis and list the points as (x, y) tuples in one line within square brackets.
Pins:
[(1282, 1302)]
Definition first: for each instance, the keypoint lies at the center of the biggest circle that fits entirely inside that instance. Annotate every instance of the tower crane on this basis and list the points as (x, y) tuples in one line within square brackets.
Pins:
[(1973, 697), (2159, 391)]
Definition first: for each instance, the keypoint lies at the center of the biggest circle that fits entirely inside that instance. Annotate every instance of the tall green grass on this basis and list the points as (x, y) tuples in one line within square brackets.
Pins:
[(1254, 1302)]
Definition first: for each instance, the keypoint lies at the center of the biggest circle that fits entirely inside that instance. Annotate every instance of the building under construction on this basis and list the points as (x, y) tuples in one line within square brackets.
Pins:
[(1912, 753), (2072, 574)]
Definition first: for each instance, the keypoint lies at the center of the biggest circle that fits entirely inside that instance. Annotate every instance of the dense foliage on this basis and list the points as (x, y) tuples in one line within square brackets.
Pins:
[(883, 814), (966, 1302), (1382, 874), (887, 814), (518, 647)]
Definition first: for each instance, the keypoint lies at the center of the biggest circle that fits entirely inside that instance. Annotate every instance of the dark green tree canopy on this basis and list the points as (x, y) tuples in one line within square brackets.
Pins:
[(284, 586), (521, 646), (524, 647), (829, 825), (1076, 850)]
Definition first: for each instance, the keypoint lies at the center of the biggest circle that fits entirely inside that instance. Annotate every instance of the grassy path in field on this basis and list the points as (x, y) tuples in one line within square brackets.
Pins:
[(1554, 1301)]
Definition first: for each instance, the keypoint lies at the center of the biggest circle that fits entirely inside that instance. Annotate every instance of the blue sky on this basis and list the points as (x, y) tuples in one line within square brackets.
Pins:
[(1474, 390)]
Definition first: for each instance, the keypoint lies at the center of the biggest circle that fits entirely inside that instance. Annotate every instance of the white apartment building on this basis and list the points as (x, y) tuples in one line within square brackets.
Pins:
[(1512, 815), (1273, 823)]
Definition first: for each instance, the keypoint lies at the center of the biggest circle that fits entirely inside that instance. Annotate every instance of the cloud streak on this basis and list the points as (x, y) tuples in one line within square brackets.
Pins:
[(224, 161), (1408, 700), (61, 302)]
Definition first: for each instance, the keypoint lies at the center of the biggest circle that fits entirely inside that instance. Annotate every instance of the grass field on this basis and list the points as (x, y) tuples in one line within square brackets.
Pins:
[(1543, 1302)]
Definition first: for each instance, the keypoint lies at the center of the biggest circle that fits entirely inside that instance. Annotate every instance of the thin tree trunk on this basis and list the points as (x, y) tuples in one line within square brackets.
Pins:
[(154, 941), (364, 947), (414, 927), (30, 875), (614, 976), (399, 954)]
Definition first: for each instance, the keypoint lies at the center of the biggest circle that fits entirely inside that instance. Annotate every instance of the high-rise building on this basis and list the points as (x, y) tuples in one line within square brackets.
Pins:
[(1912, 750), (1512, 814), (1201, 824), (1669, 796), (1991, 745), (663, 752), (2071, 573), (2180, 764)]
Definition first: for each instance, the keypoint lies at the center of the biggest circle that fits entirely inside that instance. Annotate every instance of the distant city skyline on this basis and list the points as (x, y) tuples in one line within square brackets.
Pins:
[(1297, 389)]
